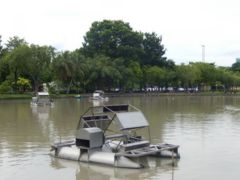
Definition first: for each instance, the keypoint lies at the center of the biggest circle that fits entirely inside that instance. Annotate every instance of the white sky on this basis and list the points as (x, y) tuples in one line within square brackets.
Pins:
[(185, 25)]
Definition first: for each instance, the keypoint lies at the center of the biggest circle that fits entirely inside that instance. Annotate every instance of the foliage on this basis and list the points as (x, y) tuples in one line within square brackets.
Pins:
[(153, 50), (16, 60), (113, 56), (113, 39), (23, 84), (236, 67), (4, 70), (5, 87), (1, 47), (15, 42), (188, 75), (103, 72), (155, 76), (37, 67)]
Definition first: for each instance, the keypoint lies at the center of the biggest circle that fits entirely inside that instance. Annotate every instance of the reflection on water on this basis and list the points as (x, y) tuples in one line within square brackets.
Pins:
[(206, 128), (96, 171)]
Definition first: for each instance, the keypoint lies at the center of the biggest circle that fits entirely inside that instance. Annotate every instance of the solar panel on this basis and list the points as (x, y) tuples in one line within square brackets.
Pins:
[(131, 120)]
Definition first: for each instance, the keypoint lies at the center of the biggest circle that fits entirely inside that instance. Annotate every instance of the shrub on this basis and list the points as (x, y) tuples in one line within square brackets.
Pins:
[(5, 87), (23, 84)]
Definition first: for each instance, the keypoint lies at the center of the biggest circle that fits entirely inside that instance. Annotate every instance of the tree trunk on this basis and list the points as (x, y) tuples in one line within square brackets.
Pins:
[(69, 86), (15, 81), (36, 86)]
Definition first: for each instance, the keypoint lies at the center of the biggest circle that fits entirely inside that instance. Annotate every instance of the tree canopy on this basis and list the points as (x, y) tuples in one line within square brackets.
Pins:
[(113, 57)]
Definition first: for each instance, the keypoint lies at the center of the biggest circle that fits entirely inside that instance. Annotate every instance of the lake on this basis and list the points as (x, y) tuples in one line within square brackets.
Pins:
[(206, 128)]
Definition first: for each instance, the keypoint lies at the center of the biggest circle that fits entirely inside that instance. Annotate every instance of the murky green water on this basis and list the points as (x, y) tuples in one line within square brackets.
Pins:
[(206, 128)]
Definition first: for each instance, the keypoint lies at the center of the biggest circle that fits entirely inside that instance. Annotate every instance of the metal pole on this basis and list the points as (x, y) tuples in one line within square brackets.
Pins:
[(203, 53), (172, 158), (149, 134)]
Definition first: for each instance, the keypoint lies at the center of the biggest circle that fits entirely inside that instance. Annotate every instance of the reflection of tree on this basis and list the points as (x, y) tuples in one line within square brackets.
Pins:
[(23, 127), (65, 116), (169, 113), (41, 113), (17, 125), (163, 111)]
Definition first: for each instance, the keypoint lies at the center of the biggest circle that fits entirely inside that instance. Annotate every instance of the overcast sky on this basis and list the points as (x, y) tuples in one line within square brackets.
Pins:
[(185, 25)]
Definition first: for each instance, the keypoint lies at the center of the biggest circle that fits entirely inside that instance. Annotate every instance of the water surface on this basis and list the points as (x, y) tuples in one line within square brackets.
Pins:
[(206, 128)]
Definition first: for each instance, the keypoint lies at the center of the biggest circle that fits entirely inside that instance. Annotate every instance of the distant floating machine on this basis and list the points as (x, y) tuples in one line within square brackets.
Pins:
[(42, 99), (99, 95), (96, 143), (78, 96)]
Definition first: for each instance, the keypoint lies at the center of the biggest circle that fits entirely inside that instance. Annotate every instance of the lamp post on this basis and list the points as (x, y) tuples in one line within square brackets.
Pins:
[(203, 53)]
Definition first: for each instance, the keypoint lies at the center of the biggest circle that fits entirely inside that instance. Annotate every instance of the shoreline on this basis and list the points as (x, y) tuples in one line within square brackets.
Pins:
[(143, 94)]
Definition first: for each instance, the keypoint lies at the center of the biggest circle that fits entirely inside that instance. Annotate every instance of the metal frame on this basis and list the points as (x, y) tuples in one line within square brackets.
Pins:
[(108, 110)]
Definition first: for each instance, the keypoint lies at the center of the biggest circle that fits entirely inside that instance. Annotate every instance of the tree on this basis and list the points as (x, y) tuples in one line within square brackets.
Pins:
[(16, 61), (13, 59), (137, 76), (187, 75), (169, 64), (15, 42), (155, 76), (208, 73), (103, 73), (226, 79), (81, 70), (37, 67), (113, 39), (71, 69), (23, 84), (1, 47), (236, 66), (4, 70), (153, 50)]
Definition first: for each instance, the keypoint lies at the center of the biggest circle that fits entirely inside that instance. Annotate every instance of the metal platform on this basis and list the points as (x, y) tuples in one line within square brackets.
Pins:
[(95, 140)]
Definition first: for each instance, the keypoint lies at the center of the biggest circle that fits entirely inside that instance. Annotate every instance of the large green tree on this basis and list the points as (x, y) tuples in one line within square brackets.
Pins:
[(4, 69), (81, 71), (236, 66), (153, 50), (16, 61), (187, 75), (113, 39), (208, 74), (155, 76), (14, 42), (13, 59), (63, 69), (103, 74), (37, 67)]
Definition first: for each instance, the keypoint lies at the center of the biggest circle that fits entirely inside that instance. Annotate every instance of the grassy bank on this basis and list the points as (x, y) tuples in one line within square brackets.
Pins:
[(15, 96), (30, 95)]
